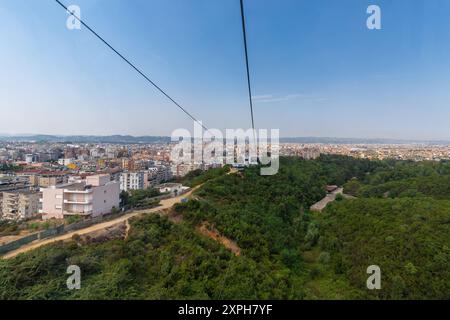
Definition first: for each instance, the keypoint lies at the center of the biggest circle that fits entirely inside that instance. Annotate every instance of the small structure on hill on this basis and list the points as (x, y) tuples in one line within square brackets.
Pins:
[(331, 188), (174, 189)]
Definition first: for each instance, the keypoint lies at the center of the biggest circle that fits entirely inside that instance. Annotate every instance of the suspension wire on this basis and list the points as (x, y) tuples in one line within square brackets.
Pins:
[(247, 64), (133, 66)]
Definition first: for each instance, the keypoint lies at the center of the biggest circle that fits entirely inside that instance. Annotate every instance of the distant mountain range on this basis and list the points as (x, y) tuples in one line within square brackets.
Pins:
[(85, 139), (330, 140), (128, 139)]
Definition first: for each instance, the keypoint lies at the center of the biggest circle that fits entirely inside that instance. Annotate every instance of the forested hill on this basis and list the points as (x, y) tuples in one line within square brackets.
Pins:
[(285, 251)]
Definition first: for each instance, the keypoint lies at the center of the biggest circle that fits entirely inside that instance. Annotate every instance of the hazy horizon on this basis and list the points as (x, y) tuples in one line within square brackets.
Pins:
[(407, 140)]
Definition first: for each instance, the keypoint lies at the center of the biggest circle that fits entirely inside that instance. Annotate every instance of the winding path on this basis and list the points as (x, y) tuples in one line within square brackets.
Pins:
[(164, 204)]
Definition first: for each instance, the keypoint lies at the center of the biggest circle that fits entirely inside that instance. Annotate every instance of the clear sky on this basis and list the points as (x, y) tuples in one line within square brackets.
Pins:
[(316, 68)]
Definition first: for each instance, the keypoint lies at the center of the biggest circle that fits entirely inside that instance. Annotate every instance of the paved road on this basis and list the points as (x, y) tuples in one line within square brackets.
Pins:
[(164, 204)]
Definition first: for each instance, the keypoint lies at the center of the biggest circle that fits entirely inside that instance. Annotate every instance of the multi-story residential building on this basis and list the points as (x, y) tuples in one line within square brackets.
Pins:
[(45, 180), (180, 170), (20, 205), (30, 158), (159, 174), (128, 164), (133, 180), (48, 156), (111, 153), (65, 161), (94, 196), (70, 152)]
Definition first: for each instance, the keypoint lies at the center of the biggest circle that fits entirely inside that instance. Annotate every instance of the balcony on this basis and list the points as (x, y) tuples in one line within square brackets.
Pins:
[(86, 191), (72, 213), (74, 201)]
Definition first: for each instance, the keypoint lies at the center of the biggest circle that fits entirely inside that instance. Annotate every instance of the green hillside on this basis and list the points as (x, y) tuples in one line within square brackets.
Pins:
[(286, 252)]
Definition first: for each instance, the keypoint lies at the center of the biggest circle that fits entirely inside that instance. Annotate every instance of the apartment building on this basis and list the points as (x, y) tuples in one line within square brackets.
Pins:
[(66, 161), (133, 180), (19, 205), (47, 180), (159, 174), (31, 158), (128, 164), (180, 170), (91, 197)]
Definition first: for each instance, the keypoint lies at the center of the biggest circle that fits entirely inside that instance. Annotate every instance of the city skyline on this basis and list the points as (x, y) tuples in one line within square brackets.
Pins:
[(316, 69)]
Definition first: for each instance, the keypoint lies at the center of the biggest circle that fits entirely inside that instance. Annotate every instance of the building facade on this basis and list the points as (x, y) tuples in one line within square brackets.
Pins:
[(31, 158), (159, 174), (19, 205), (47, 180), (180, 170), (94, 196), (133, 181)]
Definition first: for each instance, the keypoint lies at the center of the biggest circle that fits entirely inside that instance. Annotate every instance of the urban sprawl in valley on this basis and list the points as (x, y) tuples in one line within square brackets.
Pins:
[(53, 180)]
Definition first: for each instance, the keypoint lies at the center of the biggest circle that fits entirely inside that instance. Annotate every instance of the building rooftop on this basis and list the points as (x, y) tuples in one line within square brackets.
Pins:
[(25, 192), (77, 186)]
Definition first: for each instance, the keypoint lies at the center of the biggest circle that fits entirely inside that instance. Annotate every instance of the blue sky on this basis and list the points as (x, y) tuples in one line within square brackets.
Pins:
[(316, 69)]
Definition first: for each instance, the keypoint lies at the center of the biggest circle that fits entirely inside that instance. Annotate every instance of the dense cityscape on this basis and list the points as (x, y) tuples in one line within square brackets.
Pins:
[(31, 172), (227, 156)]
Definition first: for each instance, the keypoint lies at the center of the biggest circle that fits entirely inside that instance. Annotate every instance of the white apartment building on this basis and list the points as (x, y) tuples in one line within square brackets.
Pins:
[(65, 162), (31, 158), (133, 180), (94, 196)]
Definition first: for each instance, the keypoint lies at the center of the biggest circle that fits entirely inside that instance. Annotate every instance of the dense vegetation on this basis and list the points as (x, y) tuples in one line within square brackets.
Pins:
[(287, 252), (409, 239), (8, 228), (265, 215), (404, 179), (140, 198), (197, 177), (159, 260)]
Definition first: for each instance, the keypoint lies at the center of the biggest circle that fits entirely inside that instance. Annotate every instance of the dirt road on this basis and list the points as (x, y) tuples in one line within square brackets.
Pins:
[(319, 206), (164, 204)]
